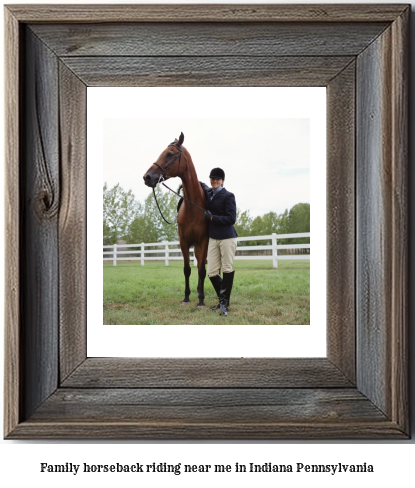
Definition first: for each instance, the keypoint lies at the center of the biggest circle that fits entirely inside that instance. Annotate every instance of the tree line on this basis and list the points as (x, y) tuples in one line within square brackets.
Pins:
[(126, 219)]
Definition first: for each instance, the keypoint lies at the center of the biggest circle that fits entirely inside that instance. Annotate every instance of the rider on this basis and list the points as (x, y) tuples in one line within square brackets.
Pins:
[(221, 215)]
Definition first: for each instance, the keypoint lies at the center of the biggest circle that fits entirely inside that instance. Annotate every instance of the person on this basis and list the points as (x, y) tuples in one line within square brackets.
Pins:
[(221, 216)]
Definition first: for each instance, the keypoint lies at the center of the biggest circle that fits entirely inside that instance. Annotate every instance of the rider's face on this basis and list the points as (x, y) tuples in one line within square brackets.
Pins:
[(216, 182)]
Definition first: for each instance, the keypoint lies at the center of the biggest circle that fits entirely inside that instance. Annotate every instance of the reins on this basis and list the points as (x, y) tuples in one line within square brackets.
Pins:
[(163, 177), (158, 206)]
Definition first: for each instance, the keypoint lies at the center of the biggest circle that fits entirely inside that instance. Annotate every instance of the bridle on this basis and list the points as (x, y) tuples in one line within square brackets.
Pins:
[(162, 178), (178, 156)]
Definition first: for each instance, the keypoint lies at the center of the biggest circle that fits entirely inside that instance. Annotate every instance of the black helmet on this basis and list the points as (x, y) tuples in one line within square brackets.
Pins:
[(217, 173)]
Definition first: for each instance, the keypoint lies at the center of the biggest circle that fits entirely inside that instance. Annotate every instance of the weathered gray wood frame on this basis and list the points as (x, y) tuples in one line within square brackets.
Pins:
[(359, 52)]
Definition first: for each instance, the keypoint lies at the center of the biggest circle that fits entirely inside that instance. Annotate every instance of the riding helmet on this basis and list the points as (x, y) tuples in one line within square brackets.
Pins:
[(217, 173)]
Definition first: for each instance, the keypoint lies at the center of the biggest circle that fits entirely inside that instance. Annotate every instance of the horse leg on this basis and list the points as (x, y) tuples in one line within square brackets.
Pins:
[(186, 270), (201, 253)]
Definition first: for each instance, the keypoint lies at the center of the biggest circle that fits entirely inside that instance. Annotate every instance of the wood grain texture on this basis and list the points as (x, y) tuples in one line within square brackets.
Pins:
[(72, 222), (207, 71), (213, 431), (382, 223), (206, 373), (372, 303), (206, 13), (400, 246), (40, 205), (58, 393), (374, 222), (12, 371), (233, 39), (341, 235), (209, 405)]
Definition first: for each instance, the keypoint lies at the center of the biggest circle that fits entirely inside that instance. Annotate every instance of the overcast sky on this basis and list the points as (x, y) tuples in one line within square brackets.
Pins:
[(266, 161)]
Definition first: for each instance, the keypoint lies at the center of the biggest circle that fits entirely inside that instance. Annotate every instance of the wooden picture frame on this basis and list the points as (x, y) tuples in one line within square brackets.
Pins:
[(360, 53)]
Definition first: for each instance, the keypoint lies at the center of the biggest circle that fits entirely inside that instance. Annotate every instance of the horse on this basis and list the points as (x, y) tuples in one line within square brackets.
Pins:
[(175, 161)]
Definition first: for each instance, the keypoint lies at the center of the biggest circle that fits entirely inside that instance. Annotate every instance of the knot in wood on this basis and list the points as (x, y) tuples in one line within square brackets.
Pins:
[(46, 206)]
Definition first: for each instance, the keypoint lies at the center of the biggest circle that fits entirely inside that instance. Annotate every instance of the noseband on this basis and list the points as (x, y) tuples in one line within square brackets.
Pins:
[(164, 171), (163, 178)]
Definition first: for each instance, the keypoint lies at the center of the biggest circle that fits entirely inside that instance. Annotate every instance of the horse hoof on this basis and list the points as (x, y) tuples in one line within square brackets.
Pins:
[(201, 304), (185, 303)]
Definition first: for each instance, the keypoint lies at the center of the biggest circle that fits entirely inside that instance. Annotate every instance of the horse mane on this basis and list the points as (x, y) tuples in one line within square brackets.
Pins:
[(178, 143), (179, 204)]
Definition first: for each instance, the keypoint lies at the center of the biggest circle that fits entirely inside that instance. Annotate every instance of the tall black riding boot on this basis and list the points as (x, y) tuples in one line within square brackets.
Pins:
[(225, 292), (217, 283)]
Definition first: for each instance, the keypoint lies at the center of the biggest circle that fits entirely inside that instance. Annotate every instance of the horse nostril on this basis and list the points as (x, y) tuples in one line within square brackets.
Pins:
[(146, 177)]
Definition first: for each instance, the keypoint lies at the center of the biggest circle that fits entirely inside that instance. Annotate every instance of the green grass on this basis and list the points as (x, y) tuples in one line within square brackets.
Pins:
[(152, 294)]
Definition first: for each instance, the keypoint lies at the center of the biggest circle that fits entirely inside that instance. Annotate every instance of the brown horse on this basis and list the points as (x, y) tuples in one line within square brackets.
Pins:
[(174, 161)]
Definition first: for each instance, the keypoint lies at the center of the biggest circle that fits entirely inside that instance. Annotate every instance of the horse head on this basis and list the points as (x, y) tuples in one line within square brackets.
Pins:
[(168, 164)]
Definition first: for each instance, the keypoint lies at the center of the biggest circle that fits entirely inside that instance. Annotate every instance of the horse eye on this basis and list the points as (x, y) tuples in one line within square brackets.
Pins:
[(169, 154)]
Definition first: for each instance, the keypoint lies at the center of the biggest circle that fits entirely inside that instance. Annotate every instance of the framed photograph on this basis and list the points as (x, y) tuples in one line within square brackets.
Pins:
[(53, 389), (273, 148)]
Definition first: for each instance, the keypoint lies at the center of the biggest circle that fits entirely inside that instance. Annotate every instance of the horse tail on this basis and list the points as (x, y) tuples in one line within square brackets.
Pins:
[(179, 204)]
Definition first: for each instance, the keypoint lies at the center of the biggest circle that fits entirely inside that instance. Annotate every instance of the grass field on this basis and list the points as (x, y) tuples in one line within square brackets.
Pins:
[(152, 294)]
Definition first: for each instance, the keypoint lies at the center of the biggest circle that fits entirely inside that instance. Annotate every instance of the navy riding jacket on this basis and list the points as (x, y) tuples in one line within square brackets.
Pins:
[(223, 209)]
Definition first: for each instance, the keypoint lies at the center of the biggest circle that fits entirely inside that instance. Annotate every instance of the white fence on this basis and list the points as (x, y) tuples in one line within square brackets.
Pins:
[(170, 251)]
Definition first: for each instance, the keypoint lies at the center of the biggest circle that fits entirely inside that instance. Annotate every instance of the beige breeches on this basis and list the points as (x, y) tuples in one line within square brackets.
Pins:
[(221, 253)]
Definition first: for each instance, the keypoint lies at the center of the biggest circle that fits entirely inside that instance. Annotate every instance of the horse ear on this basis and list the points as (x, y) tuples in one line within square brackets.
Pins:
[(181, 138)]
